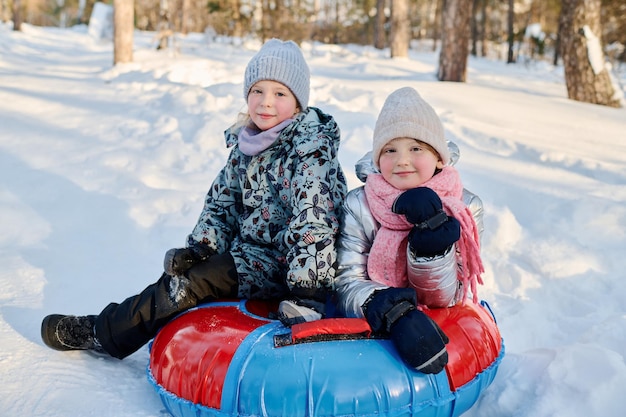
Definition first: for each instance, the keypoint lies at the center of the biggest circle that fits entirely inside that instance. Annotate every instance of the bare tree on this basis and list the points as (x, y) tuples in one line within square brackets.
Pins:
[(400, 29), (165, 29), (586, 74), (479, 27), (437, 25), (456, 25), (511, 30), (185, 12), (475, 29), (237, 22), (379, 25), (123, 31), (483, 32), (557, 47), (17, 15)]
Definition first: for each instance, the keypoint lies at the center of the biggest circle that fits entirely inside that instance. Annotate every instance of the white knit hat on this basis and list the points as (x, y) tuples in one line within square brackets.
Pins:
[(405, 114), (283, 62)]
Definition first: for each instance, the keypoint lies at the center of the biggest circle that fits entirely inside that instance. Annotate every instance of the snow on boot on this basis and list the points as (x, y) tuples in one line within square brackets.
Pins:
[(69, 332)]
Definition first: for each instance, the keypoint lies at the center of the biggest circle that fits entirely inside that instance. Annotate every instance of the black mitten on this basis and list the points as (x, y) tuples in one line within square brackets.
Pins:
[(420, 341), (177, 261), (428, 242), (382, 302), (434, 231)]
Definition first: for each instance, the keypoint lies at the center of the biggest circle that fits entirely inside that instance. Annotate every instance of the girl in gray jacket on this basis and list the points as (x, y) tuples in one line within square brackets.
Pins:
[(268, 226), (409, 237)]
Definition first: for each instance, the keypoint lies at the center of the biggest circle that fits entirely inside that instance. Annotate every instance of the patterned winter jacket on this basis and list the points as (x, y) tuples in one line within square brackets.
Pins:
[(438, 274), (278, 212)]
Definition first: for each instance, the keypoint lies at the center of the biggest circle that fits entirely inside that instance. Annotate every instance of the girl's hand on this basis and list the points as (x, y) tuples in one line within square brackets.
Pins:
[(177, 261), (434, 231)]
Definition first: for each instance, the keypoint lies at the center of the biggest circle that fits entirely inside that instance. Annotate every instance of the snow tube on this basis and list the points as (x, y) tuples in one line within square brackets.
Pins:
[(227, 359)]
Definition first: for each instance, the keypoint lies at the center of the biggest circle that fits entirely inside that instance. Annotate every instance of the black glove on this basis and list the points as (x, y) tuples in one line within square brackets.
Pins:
[(434, 231), (419, 340), (177, 261)]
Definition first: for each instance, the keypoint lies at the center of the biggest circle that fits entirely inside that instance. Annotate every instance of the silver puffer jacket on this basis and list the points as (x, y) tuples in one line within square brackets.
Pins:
[(438, 275)]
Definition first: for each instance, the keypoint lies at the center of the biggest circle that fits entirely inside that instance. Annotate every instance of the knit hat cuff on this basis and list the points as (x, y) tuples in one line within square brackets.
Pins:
[(282, 62), (414, 131), (405, 114), (282, 71)]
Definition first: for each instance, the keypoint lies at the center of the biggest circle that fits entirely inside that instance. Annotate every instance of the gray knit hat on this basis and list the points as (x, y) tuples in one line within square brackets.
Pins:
[(283, 62), (406, 115)]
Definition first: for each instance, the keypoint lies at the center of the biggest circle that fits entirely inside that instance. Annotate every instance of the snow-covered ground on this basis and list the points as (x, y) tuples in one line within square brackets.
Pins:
[(102, 169)]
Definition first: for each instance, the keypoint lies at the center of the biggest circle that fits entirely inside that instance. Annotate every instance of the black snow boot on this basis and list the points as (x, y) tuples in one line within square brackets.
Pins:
[(70, 332)]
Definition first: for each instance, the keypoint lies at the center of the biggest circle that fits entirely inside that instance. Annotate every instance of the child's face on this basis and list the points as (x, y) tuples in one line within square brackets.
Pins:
[(408, 163), (270, 103)]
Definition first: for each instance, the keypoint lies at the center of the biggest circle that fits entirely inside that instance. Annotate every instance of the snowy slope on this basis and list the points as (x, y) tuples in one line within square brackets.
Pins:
[(103, 169)]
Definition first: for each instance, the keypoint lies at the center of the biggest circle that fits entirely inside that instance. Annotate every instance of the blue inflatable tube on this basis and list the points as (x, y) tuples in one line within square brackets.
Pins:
[(228, 359)]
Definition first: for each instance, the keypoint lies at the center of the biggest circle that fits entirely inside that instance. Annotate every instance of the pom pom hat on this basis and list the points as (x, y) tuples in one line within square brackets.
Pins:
[(283, 62), (405, 114)]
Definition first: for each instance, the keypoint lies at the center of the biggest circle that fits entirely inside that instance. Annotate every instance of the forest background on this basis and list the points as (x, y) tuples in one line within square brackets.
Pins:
[(586, 36), (532, 24)]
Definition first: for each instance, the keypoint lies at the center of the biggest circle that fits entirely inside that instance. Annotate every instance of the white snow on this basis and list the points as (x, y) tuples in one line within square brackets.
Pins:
[(594, 50), (102, 169)]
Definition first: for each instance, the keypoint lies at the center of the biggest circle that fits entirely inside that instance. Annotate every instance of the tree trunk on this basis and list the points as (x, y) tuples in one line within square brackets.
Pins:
[(123, 14), (81, 11), (557, 44), (437, 26), (511, 20), (400, 28), (456, 24), (184, 16), (379, 25), (483, 32), (164, 31), (475, 28), (236, 16), (586, 74), (17, 15)]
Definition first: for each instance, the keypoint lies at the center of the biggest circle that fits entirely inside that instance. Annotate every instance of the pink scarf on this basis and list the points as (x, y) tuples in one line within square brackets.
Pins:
[(387, 258)]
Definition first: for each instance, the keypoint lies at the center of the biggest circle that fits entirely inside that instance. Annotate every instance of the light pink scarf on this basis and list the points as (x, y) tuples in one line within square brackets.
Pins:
[(253, 141), (387, 258)]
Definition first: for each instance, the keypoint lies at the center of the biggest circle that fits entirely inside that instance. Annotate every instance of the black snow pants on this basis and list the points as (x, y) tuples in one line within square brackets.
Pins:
[(124, 328)]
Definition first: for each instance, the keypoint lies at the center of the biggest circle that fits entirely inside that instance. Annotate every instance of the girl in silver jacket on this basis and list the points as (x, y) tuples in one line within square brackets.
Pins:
[(410, 236)]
